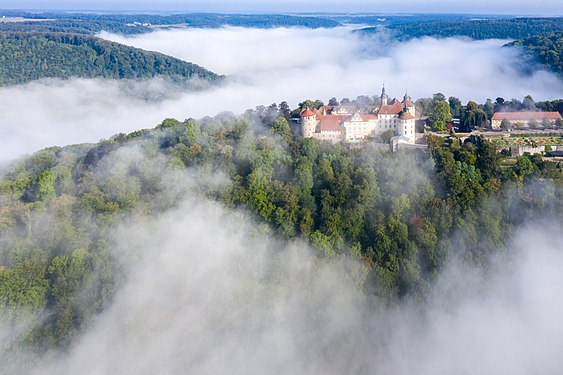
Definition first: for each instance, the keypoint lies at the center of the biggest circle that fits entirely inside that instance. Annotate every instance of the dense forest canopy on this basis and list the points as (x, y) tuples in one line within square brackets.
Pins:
[(88, 23), (510, 28), (403, 215), (29, 56), (547, 48), (399, 19)]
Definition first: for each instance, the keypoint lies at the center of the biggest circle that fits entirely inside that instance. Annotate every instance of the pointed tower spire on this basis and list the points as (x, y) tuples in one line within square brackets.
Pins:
[(383, 95)]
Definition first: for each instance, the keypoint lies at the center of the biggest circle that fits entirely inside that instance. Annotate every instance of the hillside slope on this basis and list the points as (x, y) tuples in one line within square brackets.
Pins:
[(89, 23), (29, 56), (402, 215), (512, 28), (547, 48)]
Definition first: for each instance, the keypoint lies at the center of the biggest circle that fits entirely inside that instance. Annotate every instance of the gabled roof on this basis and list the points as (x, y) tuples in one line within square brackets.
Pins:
[(355, 117), (526, 116)]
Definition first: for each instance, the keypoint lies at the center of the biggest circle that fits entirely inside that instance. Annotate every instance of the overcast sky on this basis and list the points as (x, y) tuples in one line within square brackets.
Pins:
[(544, 7)]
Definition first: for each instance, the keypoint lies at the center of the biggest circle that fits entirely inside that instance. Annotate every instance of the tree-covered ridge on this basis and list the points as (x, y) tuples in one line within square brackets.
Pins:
[(87, 23), (29, 56), (213, 20), (72, 26), (403, 214), (512, 28), (547, 48), (397, 19)]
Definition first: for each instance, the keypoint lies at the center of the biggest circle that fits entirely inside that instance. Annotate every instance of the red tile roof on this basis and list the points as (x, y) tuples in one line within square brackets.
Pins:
[(526, 116), (307, 113), (330, 123), (391, 109), (408, 103), (406, 116)]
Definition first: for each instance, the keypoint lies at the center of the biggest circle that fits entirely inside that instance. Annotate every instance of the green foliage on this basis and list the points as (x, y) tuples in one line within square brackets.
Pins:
[(281, 128), (424, 106), (440, 115), (473, 117), (123, 23), (546, 48), (455, 106), (402, 214), (509, 28), (386, 136), (29, 56), (23, 287), (523, 168), (505, 124), (168, 123)]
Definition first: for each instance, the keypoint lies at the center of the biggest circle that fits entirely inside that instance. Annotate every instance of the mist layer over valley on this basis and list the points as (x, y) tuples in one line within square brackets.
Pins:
[(264, 66), (203, 297)]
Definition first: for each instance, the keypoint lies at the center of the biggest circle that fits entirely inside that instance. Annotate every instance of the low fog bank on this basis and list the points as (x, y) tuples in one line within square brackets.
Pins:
[(265, 66), (210, 292), (54, 112), (321, 63)]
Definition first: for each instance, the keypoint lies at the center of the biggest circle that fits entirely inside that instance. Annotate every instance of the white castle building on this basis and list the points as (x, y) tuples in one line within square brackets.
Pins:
[(346, 123)]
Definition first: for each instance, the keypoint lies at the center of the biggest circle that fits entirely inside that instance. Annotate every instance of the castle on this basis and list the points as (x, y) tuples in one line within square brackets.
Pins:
[(342, 123)]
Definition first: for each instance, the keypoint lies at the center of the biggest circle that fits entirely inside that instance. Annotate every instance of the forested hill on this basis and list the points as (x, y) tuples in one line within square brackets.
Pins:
[(547, 48), (29, 56), (88, 23), (512, 28), (404, 215)]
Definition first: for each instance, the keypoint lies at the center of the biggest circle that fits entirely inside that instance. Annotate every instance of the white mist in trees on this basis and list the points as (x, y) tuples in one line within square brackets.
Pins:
[(206, 290), (207, 293), (204, 297)]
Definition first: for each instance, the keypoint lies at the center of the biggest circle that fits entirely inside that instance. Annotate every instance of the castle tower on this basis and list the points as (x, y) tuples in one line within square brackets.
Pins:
[(409, 105), (308, 123), (407, 125), (384, 98)]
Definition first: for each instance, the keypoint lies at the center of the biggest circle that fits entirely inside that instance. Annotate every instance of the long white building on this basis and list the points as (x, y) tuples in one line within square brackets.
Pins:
[(347, 123)]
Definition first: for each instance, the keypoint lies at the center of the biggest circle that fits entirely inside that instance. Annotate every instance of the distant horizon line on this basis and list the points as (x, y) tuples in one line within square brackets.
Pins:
[(258, 12)]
